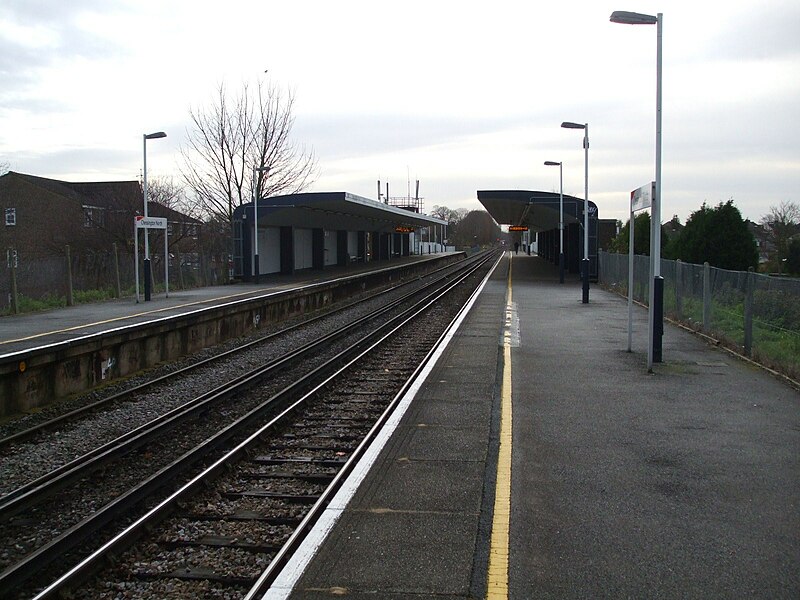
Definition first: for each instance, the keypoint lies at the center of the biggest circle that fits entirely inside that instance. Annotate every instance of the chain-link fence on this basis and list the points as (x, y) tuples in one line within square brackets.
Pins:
[(30, 283), (757, 315)]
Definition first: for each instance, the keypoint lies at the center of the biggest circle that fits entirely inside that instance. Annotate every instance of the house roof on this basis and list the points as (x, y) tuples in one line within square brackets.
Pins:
[(112, 195)]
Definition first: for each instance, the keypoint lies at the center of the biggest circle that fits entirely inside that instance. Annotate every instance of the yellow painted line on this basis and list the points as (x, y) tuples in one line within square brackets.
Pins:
[(125, 317), (501, 520)]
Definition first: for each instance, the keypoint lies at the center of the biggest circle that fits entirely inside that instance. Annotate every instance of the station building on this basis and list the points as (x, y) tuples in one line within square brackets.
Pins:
[(321, 229), (537, 215)]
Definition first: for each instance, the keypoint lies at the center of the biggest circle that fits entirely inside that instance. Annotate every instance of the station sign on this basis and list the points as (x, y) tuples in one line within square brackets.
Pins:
[(643, 197), (518, 228), (151, 222), (404, 229)]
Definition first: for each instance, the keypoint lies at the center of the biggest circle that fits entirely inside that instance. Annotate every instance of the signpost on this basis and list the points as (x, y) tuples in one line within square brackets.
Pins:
[(641, 198), (147, 223)]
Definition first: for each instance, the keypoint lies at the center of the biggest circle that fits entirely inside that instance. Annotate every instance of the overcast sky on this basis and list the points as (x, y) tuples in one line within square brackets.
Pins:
[(460, 95)]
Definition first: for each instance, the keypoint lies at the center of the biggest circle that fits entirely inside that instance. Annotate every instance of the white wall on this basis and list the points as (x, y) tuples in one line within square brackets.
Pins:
[(352, 243), (269, 250), (330, 248), (302, 249)]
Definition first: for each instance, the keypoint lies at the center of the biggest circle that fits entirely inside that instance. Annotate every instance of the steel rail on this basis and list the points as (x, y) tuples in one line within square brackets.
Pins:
[(25, 434), (284, 555), (23, 570), (38, 490), (321, 376)]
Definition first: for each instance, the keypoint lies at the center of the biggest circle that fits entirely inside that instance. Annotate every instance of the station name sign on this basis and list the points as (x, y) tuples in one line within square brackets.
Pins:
[(404, 229), (151, 222), (518, 228), (643, 197)]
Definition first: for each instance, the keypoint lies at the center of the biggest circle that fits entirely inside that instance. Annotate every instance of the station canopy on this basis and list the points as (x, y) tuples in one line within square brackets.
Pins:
[(335, 211), (536, 210)]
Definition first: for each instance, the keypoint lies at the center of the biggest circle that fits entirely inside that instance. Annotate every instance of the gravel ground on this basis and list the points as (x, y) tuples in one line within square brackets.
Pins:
[(24, 461)]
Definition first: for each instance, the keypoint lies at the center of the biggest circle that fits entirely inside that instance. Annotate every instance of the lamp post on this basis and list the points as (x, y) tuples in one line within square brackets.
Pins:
[(552, 163), (147, 276), (256, 194), (656, 308), (585, 261)]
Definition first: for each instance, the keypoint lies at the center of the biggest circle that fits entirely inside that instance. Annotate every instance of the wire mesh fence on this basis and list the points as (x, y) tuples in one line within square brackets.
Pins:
[(757, 315), (31, 283)]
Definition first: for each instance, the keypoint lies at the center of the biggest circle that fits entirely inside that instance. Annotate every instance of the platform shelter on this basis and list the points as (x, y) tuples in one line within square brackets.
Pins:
[(537, 214), (319, 229)]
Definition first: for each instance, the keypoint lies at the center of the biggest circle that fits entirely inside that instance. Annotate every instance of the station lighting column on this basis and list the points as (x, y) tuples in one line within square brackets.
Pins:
[(147, 271)]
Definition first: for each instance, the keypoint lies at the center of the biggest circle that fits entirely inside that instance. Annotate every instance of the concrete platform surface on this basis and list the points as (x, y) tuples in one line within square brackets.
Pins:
[(684, 483), (31, 330)]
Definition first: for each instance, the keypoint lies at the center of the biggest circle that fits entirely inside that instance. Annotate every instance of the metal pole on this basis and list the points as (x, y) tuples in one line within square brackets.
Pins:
[(256, 195), (659, 287), (586, 216), (255, 227), (136, 258), (146, 238), (561, 222), (654, 350), (166, 262), (630, 282)]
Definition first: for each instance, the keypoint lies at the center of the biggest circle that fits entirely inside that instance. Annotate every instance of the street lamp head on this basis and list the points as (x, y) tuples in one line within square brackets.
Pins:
[(632, 18), (156, 135), (552, 163), (571, 125)]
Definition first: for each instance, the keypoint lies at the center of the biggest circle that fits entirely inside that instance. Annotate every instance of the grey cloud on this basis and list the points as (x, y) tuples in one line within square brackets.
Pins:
[(97, 163), (760, 35), (18, 63), (348, 135), (37, 12)]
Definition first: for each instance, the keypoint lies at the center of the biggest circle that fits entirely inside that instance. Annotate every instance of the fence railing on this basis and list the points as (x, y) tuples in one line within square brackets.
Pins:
[(48, 281), (757, 315)]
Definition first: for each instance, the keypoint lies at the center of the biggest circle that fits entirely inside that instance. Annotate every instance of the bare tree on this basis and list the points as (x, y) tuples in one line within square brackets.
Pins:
[(171, 194), (236, 134), (782, 222), (447, 214)]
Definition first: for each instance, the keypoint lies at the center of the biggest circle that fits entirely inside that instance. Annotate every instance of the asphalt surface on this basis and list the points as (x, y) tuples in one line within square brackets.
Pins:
[(30, 330), (683, 483)]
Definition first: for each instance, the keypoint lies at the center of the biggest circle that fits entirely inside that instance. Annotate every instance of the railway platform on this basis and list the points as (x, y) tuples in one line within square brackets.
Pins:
[(568, 471), (30, 330)]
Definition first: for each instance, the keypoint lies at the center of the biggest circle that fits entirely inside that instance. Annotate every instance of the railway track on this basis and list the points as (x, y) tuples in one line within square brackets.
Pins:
[(254, 403)]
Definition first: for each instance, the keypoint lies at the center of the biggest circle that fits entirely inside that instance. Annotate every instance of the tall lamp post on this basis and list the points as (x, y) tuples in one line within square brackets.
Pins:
[(147, 272), (552, 163), (256, 194), (656, 308), (585, 261)]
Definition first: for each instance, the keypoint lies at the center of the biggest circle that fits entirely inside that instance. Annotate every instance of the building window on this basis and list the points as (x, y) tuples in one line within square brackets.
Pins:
[(93, 216), (11, 216)]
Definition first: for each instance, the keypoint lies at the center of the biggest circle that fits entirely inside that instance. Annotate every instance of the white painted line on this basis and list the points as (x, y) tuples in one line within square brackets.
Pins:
[(290, 575)]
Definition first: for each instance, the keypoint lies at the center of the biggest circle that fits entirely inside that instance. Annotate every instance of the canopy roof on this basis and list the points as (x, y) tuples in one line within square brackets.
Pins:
[(536, 210), (333, 210)]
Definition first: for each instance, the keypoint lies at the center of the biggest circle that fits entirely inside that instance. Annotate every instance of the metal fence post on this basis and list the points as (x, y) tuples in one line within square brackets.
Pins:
[(70, 299), (14, 294), (116, 269), (706, 296), (748, 312), (678, 289)]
